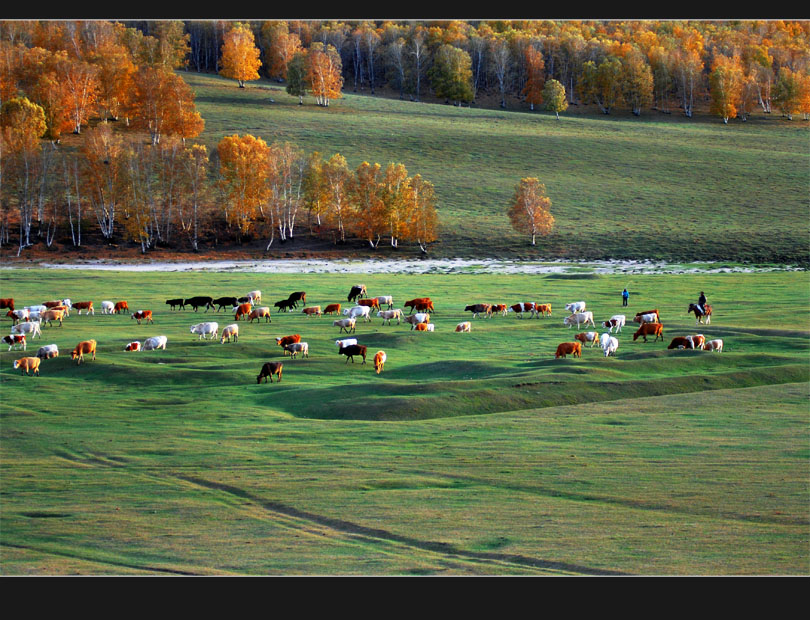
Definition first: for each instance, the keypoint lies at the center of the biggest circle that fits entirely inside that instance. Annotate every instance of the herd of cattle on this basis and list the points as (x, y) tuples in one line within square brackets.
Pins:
[(28, 322)]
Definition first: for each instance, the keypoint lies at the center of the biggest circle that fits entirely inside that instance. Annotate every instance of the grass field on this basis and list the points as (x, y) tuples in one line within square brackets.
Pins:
[(470, 454), (658, 186)]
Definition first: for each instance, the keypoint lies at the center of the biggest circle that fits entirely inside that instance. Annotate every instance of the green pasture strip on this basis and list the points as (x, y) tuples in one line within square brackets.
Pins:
[(649, 187)]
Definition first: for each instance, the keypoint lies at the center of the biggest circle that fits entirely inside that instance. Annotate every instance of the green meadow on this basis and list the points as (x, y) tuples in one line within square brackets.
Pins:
[(654, 187), (471, 454)]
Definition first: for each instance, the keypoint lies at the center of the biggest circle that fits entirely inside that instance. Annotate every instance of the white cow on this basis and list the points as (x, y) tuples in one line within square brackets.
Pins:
[(39, 308), (21, 314), (347, 324), (29, 327), (255, 297), (346, 342), (203, 329), (647, 318), (48, 351), (387, 315), (466, 326), (386, 299), (107, 307), (358, 311), (617, 321), (610, 345), (415, 319), (66, 302), (580, 318), (156, 342), (576, 306), (228, 331), (294, 348)]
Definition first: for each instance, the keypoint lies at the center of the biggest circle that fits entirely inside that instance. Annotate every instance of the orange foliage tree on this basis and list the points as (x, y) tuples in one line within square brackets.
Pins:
[(726, 84), (324, 73), (368, 206), (530, 211), (535, 68), (240, 56), (243, 171), (422, 217)]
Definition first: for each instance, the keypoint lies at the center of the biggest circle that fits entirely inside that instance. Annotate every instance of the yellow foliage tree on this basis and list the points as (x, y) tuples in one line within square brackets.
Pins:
[(243, 166), (324, 73), (240, 56), (530, 211)]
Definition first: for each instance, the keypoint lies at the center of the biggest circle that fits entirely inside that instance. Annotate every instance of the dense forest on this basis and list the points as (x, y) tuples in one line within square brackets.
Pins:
[(71, 77)]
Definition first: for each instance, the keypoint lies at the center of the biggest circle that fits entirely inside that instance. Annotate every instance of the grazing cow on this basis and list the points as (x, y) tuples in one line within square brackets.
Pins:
[(332, 309), (18, 315), (576, 306), (27, 363), (416, 319), (580, 318), (283, 342), (617, 321), (610, 345), (297, 347), (358, 290), (107, 307), (14, 340), (568, 348), (698, 340), (48, 351), (296, 297), (120, 307), (387, 315), (268, 370), (133, 346), (255, 297), (39, 308), (7, 302), (242, 310), (358, 311), (52, 315), (385, 299), (29, 327), (285, 305), (312, 311), (372, 303), (83, 348), (260, 313), (586, 337), (51, 304), (200, 301), (87, 306), (203, 329), (63, 308), (142, 315), (352, 350), (714, 345), (180, 302), (68, 303), (500, 309), (424, 327), (225, 302), (644, 317), (466, 326), (650, 329), (155, 342), (477, 309), (345, 342), (347, 324), (228, 331), (379, 361), (706, 313), (421, 304), (681, 342), (522, 307), (542, 309)]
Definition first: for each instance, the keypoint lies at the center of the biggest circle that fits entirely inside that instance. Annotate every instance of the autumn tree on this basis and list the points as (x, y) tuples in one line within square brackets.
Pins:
[(726, 84), (116, 70), (451, 74), (286, 172), (281, 46), (500, 58), (195, 163), (397, 196), (787, 92), (324, 73), (601, 84), (240, 56), (103, 174), (163, 103), (82, 88), (636, 81), (243, 170), (554, 96), (535, 81), (336, 177), (368, 217), (422, 217), (530, 211)]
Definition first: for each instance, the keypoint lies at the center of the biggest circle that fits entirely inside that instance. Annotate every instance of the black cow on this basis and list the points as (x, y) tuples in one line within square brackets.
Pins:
[(285, 304), (268, 370), (357, 291), (296, 297), (225, 302), (176, 302), (196, 302), (352, 350)]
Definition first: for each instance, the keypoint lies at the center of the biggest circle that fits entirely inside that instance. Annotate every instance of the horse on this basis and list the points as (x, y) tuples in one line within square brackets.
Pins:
[(707, 313)]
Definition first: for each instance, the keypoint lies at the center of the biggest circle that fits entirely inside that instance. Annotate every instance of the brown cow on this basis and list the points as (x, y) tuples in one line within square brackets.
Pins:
[(648, 329), (260, 313), (26, 364), (544, 309), (14, 340), (499, 309), (52, 315), (332, 309), (372, 303), (681, 342), (283, 342), (313, 310), (85, 305), (86, 346), (143, 315), (421, 304), (51, 304), (568, 348), (7, 302), (586, 337), (268, 370), (119, 307), (379, 361), (242, 310), (477, 309)]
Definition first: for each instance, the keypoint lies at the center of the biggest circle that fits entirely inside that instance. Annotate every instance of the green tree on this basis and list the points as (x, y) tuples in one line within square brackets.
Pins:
[(554, 96), (297, 76), (451, 74)]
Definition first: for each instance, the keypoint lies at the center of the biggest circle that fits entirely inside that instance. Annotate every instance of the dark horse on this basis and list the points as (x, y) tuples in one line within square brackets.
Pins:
[(707, 313)]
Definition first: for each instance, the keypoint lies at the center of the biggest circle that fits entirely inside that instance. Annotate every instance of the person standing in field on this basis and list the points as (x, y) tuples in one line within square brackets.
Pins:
[(625, 297), (702, 302)]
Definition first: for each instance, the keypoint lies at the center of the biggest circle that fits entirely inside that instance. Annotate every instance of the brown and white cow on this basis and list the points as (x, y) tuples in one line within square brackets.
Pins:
[(228, 332), (83, 348), (649, 329), (681, 342), (698, 340), (15, 340), (87, 306), (466, 326), (643, 317), (28, 363), (500, 309), (133, 346), (586, 337), (424, 327), (284, 341), (417, 319), (714, 345), (18, 315), (568, 348), (142, 315), (519, 309), (477, 309), (294, 348), (48, 351)]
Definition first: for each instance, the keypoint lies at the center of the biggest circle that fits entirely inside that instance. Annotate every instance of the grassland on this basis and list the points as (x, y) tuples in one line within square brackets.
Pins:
[(654, 187), (471, 453)]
